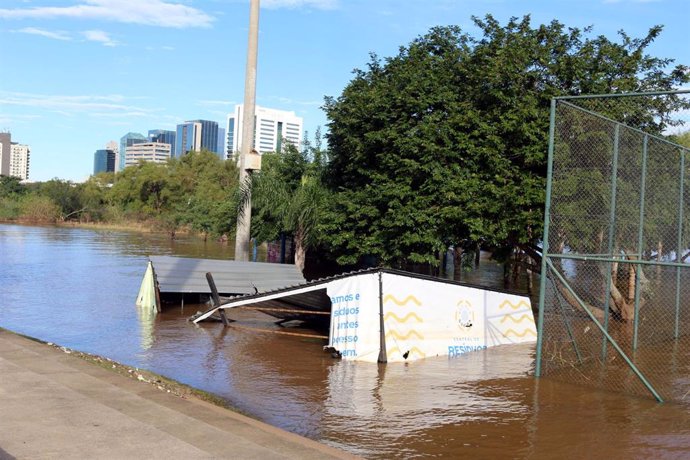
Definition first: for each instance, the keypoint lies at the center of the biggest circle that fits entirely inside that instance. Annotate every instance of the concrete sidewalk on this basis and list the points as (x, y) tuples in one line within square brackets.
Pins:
[(54, 405)]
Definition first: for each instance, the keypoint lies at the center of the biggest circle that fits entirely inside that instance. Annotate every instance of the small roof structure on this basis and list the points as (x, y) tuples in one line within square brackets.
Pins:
[(304, 297), (188, 275)]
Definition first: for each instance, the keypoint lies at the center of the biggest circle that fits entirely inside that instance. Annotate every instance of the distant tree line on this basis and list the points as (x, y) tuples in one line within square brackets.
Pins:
[(195, 192)]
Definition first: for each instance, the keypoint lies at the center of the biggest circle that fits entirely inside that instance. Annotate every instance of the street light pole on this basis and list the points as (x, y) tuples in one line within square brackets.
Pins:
[(244, 218)]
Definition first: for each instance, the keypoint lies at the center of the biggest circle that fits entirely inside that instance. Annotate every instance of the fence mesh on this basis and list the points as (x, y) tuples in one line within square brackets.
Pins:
[(616, 309)]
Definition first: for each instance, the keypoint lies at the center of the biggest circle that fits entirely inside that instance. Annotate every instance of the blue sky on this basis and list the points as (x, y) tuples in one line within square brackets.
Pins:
[(75, 74)]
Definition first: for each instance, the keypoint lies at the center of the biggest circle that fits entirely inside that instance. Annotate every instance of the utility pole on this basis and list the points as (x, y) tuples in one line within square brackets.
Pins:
[(244, 218)]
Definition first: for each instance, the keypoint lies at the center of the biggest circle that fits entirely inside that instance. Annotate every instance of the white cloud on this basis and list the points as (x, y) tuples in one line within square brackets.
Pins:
[(55, 35), (318, 4), (161, 13), (17, 119), (99, 36), (114, 104)]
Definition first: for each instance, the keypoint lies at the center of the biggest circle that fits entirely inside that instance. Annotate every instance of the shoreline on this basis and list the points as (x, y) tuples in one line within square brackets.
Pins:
[(132, 227)]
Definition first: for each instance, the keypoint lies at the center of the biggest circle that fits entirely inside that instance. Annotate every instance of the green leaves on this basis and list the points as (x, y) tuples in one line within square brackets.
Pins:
[(195, 190), (445, 143), (288, 197)]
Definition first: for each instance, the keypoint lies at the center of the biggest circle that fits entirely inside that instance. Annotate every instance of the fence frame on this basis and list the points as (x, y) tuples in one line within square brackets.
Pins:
[(547, 268)]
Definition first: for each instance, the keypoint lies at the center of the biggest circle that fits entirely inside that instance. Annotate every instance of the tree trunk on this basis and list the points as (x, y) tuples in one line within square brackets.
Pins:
[(300, 249), (626, 310), (631, 282), (457, 261)]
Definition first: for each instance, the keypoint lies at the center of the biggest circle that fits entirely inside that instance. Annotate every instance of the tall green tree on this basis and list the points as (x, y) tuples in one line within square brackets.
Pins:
[(445, 143), (143, 189), (204, 187), (65, 194), (11, 186)]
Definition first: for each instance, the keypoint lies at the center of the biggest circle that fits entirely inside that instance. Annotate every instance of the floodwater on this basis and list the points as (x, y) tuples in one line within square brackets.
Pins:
[(77, 288)]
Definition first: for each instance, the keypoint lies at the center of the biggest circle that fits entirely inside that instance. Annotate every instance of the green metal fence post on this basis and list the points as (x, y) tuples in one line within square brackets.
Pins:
[(640, 242), (545, 238), (679, 252)]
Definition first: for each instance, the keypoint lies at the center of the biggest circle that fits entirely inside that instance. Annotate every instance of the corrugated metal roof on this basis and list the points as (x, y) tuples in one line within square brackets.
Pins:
[(188, 275)]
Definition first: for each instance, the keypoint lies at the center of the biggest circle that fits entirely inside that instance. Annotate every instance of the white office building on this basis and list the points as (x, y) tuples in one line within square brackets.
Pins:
[(156, 152), (272, 129), (19, 161)]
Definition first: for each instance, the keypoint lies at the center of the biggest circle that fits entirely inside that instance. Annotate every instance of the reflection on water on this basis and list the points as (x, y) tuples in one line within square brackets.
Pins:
[(147, 321), (77, 288)]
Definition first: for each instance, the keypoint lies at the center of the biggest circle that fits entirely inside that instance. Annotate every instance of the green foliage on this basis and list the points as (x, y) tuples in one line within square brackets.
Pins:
[(288, 197), (204, 187), (11, 186), (682, 139), (37, 208), (445, 143), (142, 189), (10, 208), (195, 190), (64, 194)]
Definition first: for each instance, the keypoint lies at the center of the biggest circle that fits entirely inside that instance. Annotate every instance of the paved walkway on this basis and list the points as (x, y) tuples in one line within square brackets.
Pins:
[(54, 405)]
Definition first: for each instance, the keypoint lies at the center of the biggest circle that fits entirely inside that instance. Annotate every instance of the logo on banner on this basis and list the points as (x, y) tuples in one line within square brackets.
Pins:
[(464, 314)]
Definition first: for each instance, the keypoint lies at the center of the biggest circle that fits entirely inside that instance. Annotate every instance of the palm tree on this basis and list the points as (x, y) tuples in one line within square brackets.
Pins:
[(287, 197)]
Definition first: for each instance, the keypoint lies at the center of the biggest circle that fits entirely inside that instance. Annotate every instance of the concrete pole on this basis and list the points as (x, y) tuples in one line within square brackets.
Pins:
[(244, 219)]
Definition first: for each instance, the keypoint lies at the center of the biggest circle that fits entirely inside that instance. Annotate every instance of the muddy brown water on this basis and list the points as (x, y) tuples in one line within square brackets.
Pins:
[(77, 288)]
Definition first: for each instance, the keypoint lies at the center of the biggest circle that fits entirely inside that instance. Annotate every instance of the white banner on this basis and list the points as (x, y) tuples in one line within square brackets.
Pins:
[(424, 318), (355, 331)]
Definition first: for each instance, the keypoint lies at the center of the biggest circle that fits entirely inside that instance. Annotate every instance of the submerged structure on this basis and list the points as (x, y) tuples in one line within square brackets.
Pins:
[(383, 315), (180, 279)]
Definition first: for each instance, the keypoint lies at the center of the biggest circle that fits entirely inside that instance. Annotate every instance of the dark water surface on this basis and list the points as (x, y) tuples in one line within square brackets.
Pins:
[(77, 288)]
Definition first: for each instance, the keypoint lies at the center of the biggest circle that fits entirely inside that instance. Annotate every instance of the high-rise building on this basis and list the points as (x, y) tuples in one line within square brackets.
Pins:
[(5, 153), (162, 136), (127, 140), (196, 135), (157, 152), (221, 143), (19, 161), (104, 161), (272, 128)]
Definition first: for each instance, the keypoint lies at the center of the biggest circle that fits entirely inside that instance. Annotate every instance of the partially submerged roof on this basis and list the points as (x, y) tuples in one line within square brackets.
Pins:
[(312, 295), (188, 276), (304, 296), (383, 315)]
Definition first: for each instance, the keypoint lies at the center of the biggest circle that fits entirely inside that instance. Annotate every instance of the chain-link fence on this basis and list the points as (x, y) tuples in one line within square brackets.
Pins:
[(615, 301)]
